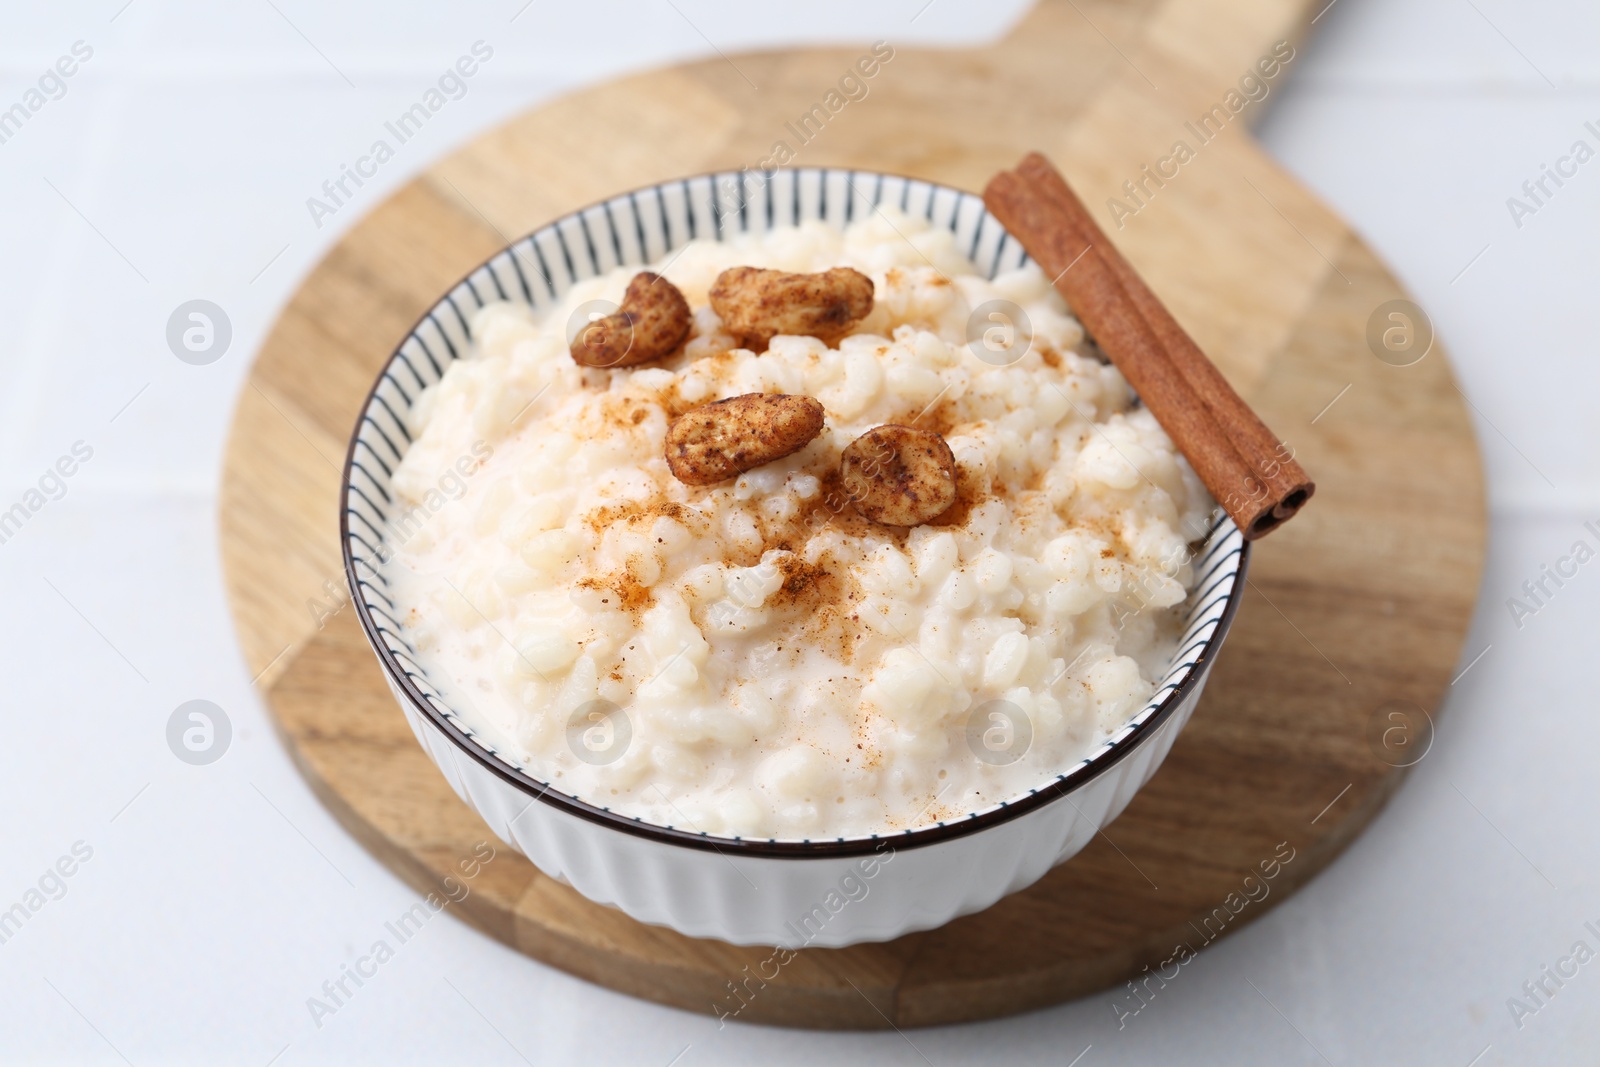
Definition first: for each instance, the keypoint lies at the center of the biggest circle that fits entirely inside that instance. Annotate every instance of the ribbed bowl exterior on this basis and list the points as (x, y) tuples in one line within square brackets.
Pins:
[(826, 902)]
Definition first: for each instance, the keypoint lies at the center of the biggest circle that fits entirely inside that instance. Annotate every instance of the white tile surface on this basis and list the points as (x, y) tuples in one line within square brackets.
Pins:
[(222, 897)]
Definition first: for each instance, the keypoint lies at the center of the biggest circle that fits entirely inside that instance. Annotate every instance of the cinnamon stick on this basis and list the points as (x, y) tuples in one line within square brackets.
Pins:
[(1286, 480), (1082, 276), (1233, 453)]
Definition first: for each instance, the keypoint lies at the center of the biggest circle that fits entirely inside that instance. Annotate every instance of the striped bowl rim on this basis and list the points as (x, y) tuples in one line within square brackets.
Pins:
[(618, 231)]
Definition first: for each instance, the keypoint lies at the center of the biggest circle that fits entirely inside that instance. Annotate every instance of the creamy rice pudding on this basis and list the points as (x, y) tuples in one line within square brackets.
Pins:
[(757, 656)]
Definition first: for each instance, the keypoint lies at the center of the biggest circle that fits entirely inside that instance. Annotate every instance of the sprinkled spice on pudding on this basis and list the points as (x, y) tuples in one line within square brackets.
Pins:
[(799, 572)]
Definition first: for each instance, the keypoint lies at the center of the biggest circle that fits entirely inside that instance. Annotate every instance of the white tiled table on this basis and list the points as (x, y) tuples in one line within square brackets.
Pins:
[(176, 166)]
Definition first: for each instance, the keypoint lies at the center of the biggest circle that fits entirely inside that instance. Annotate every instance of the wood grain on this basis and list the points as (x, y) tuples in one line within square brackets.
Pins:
[(1363, 599)]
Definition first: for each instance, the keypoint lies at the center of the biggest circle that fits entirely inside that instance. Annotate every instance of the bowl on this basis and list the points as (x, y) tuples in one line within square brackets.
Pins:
[(792, 893)]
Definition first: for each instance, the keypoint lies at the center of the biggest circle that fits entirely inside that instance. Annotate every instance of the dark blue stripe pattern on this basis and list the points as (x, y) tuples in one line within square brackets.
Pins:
[(641, 227)]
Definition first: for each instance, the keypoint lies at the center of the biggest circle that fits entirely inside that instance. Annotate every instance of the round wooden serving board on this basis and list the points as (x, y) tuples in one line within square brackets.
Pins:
[(1362, 601)]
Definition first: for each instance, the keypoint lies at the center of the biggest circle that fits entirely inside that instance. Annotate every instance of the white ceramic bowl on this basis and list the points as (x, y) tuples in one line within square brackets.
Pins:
[(825, 892)]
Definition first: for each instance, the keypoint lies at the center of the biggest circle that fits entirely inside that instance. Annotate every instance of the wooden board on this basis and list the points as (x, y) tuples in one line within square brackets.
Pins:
[(1362, 601)]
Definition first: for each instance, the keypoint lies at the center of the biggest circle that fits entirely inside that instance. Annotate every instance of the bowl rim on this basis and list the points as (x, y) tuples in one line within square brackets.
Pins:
[(1057, 788)]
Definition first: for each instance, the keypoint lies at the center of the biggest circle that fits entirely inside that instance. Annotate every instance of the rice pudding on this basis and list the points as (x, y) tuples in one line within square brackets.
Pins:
[(757, 656)]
